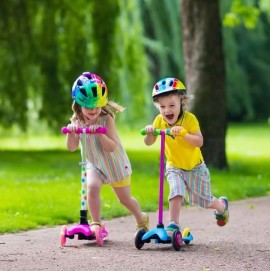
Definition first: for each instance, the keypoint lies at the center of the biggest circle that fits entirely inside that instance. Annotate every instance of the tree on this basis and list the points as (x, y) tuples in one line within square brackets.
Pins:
[(45, 45), (205, 74)]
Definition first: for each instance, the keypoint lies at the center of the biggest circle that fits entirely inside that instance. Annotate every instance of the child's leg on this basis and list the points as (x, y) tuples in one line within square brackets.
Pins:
[(125, 198), (94, 184), (177, 190), (174, 209), (199, 190), (175, 205), (222, 211), (217, 205)]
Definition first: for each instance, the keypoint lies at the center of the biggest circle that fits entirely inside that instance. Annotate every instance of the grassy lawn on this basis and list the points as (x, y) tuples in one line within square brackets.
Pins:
[(40, 179)]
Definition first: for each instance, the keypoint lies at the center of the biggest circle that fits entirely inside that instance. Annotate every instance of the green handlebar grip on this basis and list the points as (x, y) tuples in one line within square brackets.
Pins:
[(143, 132), (156, 132)]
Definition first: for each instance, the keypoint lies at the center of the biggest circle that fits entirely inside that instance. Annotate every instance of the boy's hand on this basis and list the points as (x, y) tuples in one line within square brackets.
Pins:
[(178, 130), (149, 129)]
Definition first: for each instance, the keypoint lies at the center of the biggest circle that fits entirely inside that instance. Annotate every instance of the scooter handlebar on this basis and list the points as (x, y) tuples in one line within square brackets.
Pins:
[(157, 132), (100, 130)]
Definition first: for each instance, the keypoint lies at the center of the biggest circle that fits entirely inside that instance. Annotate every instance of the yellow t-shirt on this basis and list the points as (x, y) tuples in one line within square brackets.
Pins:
[(179, 153)]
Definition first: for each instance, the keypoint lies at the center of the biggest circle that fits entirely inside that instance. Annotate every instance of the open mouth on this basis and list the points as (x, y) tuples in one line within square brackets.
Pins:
[(170, 117)]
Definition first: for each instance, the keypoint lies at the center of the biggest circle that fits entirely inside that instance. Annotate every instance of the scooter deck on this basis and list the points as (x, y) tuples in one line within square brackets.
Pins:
[(160, 236), (84, 232)]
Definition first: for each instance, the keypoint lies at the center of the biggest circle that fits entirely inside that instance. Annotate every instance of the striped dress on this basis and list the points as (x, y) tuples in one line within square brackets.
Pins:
[(111, 166)]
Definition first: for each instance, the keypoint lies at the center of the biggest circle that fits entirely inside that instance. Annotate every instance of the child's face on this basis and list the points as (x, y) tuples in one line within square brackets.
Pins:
[(91, 114), (169, 107)]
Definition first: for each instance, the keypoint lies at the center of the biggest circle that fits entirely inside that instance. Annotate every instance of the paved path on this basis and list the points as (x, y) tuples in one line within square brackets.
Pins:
[(244, 244)]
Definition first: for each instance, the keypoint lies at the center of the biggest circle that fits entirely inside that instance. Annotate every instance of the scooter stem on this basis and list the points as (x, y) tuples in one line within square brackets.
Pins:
[(161, 177), (83, 211)]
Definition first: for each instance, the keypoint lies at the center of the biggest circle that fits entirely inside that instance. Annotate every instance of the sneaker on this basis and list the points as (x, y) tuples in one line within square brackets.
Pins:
[(94, 225), (144, 224), (171, 228), (223, 218)]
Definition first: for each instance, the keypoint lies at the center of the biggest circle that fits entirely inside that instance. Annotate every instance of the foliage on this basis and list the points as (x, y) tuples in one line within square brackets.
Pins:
[(246, 67), (242, 13), (45, 45), (49, 43), (129, 73), (163, 38), (43, 189)]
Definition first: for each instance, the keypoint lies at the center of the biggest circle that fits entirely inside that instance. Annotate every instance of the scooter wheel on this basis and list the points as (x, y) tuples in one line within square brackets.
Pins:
[(99, 236), (63, 237), (177, 240), (138, 238), (186, 233)]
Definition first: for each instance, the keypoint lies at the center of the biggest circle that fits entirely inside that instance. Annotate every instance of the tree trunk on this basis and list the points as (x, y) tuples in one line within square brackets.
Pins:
[(205, 74)]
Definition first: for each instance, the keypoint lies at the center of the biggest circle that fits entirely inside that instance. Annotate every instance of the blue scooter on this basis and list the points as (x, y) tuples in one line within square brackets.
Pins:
[(159, 234)]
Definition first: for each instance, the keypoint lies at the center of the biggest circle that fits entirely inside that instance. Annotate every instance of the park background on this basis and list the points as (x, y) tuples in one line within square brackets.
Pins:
[(219, 49)]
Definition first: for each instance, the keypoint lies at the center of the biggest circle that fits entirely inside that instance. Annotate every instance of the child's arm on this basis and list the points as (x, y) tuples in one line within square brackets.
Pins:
[(149, 139), (108, 140), (195, 140), (72, 138)]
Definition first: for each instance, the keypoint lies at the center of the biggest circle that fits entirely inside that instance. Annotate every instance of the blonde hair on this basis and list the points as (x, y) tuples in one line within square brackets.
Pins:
[(111, 108), (184, 97)]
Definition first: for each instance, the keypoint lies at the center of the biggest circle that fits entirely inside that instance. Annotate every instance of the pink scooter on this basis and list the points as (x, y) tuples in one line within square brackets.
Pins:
[(83, 229)]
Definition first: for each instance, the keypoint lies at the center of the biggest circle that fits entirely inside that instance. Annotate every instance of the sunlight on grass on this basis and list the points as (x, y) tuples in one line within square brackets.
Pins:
[(248, 141), (31, 142), (132, 140)]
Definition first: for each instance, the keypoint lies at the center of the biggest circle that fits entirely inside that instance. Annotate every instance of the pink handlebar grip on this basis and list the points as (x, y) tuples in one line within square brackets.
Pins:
[(100, 130), (65, 130)]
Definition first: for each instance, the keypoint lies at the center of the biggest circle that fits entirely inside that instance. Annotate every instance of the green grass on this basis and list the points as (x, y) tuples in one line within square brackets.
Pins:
[(40, 179)]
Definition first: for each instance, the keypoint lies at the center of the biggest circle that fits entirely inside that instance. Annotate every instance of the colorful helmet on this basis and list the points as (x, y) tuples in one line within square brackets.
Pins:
[(90, 91), (167, 85)]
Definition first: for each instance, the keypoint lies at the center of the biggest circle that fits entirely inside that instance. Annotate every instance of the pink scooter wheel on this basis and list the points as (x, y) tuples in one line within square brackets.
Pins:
[(99, 236), (177, 240), (63, 236), (104, 232)]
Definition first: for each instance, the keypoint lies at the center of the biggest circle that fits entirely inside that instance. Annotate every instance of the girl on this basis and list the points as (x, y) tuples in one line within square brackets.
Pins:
[(185, 168), (107, 161)]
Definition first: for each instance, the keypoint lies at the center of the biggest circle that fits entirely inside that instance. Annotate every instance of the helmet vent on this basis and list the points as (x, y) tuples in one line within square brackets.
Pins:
[(79, 82), (94, 90), (103, 91), (88, 75), (171, 83), (83, 91)]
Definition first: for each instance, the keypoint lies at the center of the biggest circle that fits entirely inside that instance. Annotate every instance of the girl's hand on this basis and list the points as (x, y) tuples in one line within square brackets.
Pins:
[(73, 127), (72, 138), (93, 128), (149, 129)]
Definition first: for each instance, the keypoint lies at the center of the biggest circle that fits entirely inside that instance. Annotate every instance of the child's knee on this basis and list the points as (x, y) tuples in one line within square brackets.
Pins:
[(93, 190), (125, 201)]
